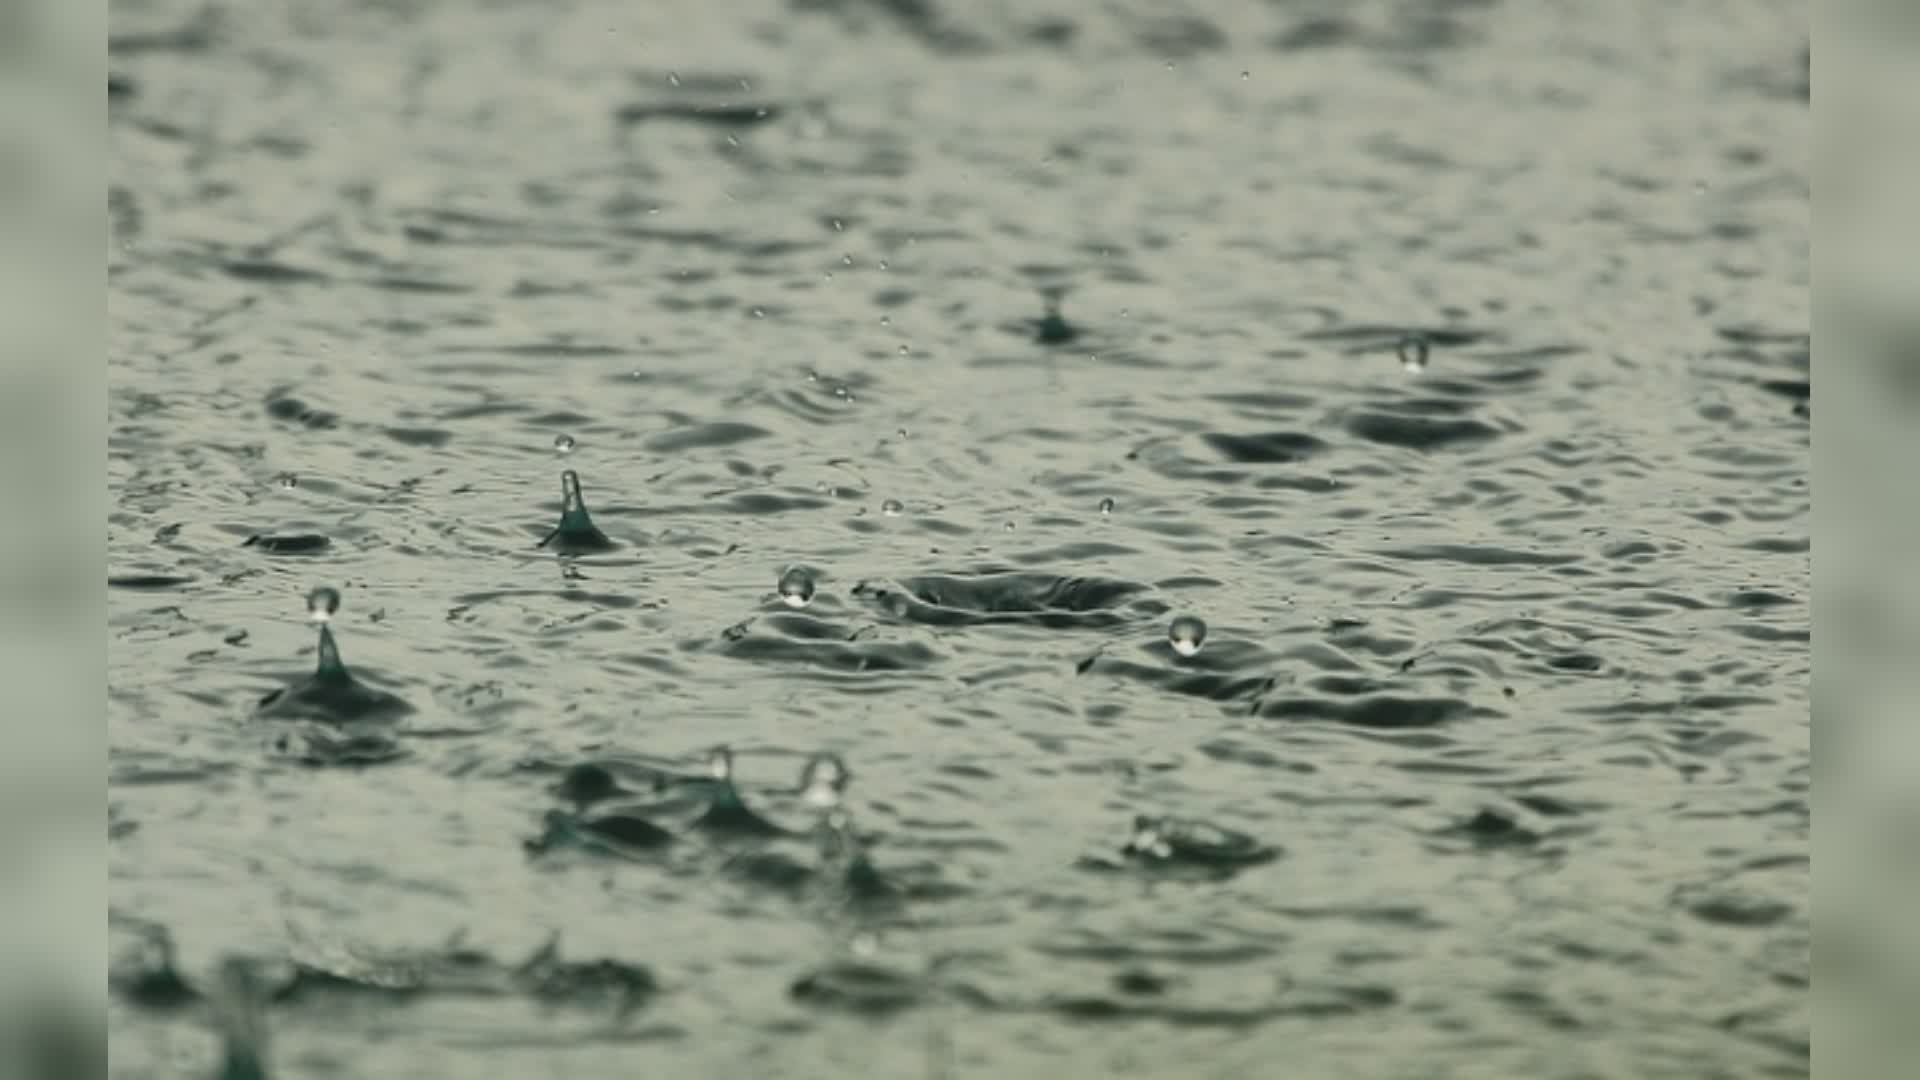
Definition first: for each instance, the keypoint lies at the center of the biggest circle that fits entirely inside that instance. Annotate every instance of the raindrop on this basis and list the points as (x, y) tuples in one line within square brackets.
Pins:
[(1169, 65), (673, 78), (1186, 634), (563, 445), (837, 227), (883, 264), (892, 508), (288, 481), (322, 603), (846, 260), (901, 433), (1106, 506), (759, 313), (904, 350), (1009, 526), (823, 781), (733, 140), (796, 587), (1245, 75), (886, 320), (1413, 353)]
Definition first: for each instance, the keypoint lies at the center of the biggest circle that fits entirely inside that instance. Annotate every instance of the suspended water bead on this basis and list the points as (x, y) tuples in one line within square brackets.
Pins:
[(796, 587), (886, 320), (823, 780), (892, 508), (904, 350), (720, 764), (563, 445), (1413, 353), (322, 603), (1186, 634), (673, 78), (288, 481), (1106, 506)]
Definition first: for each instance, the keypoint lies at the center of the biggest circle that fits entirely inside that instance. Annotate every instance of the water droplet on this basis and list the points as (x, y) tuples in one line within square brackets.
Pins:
[(796, 587), (1009, 526), (892, 508), (653, 209), (1186, 634), (1245, 75), (733, 140), (904, 350), (1413, 353), (673, 78), (900, 433), (1699, 187), (837, 227), (883, 264), (886, 320), (846, 260), (563, 445), (288, 481), (813, 376), (1124, 313), (823, 780), (843, 393), (1106, 506), (1169, 65), (720, 764), (322, 603), (745, 85), (759, 313)]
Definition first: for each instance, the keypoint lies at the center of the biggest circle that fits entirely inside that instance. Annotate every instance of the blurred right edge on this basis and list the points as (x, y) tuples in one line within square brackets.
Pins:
[(1866, 537)]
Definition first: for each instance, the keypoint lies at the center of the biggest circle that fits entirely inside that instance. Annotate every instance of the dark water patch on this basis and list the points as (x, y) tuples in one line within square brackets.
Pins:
[(1489, 829), (292, 410), (289, 544), (862, 989), (430, 438), (1082, 552), (1418, 432), (1477, 555), (624, 834), (705, 437), (148, 582), (1383, 712), (760, 503), (1759, 599), (1265, 402), (843, 655), (1271, 448), (323, 747), (271, 272), (717, 114)]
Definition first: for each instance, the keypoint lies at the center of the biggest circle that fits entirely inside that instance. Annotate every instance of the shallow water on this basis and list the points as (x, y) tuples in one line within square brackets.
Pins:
[(1506, 658)]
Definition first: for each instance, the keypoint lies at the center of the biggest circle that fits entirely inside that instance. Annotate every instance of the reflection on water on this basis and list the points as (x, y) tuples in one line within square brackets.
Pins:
[(1296, 518)]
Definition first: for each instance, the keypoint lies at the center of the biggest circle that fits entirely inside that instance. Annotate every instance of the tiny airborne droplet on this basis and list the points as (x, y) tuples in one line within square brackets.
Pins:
[(322, 603), (892, 508), (796, 587), (1413, 353), (288, 481), (563, 445), (1106, 506), (1186, 635)]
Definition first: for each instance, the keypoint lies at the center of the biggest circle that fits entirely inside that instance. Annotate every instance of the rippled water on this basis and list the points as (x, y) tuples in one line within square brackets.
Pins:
[(1505, 670)]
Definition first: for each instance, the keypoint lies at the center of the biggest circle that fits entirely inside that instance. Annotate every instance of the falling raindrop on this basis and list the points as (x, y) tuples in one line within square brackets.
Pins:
[(823, 781), (1106, 506), (837, 227), (846, 260), (322, 603), (759, 313), (1413, 353), (1186, 634), (886, 320), (904, 350), (288, 481), (673, 78), (892, 508), (796, 587), (563, 445), (883, 264), (1245, 75)]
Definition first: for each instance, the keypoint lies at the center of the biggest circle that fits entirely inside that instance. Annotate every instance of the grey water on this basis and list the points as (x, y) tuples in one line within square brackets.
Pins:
[(924, 366)]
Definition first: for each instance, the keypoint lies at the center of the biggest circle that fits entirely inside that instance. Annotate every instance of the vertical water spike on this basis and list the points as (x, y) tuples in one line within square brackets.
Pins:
[(330, 668), (240, 1017), (576, 532)]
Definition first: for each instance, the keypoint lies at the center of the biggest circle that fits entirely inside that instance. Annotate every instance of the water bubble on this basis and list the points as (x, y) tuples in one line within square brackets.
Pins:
[(1106, 506), (287, 481), (673, 78), (796, 587), (563, 445), (322, 603), (823, 780), (1413, 353), (1186, 634), (892, 508)]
